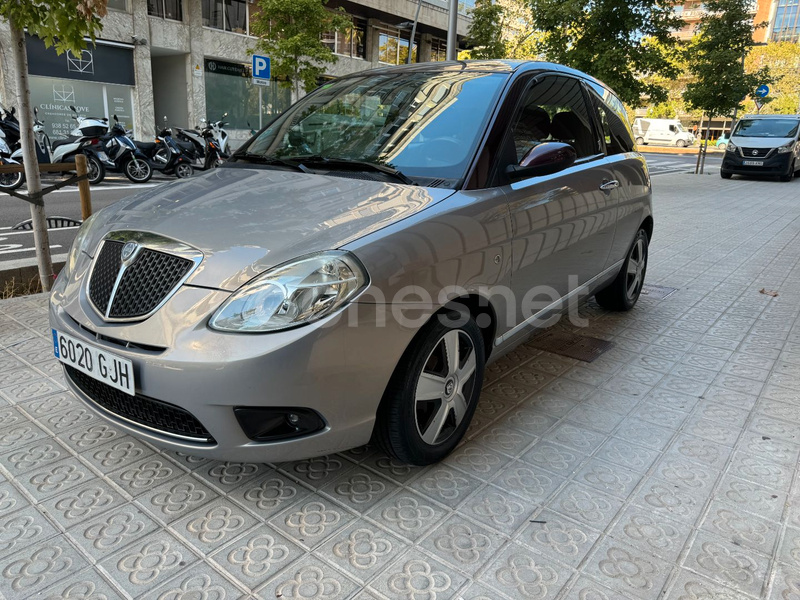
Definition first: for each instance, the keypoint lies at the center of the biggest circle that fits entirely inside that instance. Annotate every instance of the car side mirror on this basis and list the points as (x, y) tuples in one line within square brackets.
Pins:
[(544, 159)]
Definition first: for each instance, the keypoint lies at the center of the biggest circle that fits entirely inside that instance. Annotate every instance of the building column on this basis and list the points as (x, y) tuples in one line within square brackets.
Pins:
[(373, 41), (424, 49), (195, 64), (144, 119)]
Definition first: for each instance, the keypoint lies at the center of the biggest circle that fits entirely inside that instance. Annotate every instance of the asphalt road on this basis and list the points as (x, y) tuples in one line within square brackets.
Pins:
[(15, 245)]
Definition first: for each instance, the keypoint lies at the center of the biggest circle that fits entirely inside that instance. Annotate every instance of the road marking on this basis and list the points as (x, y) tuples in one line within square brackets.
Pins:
[(26, 249)]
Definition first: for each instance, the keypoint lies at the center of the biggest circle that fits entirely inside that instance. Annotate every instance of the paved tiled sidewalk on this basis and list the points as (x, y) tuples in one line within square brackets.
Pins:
[(665, 469)]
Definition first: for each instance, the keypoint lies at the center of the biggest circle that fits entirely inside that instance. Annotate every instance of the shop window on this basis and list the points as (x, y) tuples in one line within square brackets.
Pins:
[(228, 15), (121, 5), (350, 42), (393, 49), (166, 9)]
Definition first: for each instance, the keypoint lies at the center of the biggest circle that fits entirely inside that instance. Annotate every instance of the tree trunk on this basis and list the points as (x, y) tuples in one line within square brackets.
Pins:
[(40, 237), (705, 145)]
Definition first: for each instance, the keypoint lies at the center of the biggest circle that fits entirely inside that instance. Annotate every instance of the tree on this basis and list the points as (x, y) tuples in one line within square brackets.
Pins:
[(783, 59), (621, 42), (716, 59), (486, 31), (62, 24), (290, 33)]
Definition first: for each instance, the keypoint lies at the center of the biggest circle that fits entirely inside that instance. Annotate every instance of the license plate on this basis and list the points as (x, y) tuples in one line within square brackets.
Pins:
[(753, 163), (96, 363)]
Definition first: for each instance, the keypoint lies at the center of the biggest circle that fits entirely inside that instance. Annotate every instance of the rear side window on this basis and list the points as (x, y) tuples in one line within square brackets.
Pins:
[(613, 119)]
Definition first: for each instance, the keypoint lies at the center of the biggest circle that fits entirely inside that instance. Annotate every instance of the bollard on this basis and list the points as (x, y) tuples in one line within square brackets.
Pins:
[(83, 186)]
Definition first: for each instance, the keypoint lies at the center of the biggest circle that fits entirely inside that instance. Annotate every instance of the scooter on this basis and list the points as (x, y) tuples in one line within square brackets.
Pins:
[(166, 155), (82, 140), (8, 181), (208, 147), (9, 125), (125, 155)]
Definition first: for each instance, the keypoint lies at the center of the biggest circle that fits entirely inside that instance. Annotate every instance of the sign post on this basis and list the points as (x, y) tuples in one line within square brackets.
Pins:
[(261, 70)]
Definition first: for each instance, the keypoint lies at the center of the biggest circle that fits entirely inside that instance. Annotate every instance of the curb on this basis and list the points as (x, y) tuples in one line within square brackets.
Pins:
[(693, 150), (20, 273)]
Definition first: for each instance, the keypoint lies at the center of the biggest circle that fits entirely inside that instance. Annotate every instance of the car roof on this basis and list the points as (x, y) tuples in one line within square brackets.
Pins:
[(770, 116), (487, 66)]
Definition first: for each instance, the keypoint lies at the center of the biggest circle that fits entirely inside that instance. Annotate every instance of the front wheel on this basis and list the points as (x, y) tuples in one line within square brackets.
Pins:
[(789, 175), (640, 141), (138, 170), (433, 392), (11, 181), (681, 143), (725, 174), (95, 170), (624, 291)]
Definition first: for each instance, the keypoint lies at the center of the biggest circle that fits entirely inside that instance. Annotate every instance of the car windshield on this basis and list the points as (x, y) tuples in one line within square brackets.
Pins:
[(424, 124), (767, 128)]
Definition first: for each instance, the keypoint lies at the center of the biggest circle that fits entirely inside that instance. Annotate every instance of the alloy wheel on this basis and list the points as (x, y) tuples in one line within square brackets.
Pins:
[(183, 170), (444, 387), (10, 181), (637, 263), (138, 169)]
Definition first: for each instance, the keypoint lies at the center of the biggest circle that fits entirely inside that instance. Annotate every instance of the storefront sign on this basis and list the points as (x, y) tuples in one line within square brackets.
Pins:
[(101, 63), (220, 67)]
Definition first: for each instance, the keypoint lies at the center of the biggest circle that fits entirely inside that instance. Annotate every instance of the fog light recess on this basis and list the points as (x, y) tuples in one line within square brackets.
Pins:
[(271, 424)]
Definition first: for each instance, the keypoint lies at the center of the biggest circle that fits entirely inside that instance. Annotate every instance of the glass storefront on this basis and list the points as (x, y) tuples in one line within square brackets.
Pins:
[(53, 97), (230, 89)]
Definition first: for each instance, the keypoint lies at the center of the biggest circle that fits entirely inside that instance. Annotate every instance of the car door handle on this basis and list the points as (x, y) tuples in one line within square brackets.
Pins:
[(609, 185)]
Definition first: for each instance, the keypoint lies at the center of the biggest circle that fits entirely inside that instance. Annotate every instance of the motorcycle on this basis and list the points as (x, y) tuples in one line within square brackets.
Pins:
[(9, 125), (83, 139), (206, 148), (8, 181), (125, 156), (166, 155)]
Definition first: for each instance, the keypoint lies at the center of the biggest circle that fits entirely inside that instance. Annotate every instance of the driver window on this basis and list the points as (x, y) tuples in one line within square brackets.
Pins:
[(554, 110)]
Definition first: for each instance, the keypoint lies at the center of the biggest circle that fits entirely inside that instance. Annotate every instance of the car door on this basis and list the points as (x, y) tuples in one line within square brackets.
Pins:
[(563, 223)]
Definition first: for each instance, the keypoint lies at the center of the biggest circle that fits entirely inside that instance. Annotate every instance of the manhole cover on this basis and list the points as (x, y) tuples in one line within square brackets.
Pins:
[(659, 292), (574, 346)]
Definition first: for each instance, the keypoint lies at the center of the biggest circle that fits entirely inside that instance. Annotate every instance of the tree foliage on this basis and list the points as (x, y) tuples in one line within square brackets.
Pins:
[(486, 30), (783, 59), (59, 23), (621, 42), (290, 33), (714, 57)]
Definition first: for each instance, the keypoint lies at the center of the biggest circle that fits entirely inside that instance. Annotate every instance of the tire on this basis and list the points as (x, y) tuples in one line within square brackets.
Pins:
[(723, 147), (725, 174), (183, 170), (622, 293), (422, 426), (138, 170), (11, 181), (681, 143), (790, 174), (639, 141), (96, 170)]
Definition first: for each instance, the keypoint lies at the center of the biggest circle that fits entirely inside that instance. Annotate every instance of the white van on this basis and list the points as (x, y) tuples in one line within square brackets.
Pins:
[(668, 132)]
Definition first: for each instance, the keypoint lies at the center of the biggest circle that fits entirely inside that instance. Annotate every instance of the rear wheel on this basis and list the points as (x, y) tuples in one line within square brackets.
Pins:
[(11, 181), (433, 393), (183, 170), (138, 170), (624, 291), (95, 170)]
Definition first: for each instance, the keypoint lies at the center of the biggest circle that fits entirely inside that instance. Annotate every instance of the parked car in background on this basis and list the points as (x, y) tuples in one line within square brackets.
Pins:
[(722, 142), (667, 132), (350, 271), (763, 145)]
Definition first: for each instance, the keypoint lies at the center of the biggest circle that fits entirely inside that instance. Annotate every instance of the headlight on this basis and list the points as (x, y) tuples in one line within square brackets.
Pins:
[(79, 244), (293, 294), (786, 149), (731, 147)]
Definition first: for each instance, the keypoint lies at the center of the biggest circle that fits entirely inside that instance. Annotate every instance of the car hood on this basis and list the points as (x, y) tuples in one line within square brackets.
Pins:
[(248, 220), (760, 142)]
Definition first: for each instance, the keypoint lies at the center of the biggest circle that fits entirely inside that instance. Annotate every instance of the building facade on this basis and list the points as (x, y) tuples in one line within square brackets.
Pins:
[(187, 60), (692, 11)]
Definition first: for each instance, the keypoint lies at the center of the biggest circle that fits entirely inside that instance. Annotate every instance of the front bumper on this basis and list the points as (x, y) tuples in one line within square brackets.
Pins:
[(338, 367), (775, 164)]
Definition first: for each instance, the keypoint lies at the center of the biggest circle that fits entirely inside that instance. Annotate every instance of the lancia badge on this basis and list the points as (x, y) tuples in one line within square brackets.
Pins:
[(129, 251)]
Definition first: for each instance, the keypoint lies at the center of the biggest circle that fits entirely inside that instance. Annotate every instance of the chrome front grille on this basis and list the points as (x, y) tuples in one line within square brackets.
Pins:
[(127, 287), (756, 152)]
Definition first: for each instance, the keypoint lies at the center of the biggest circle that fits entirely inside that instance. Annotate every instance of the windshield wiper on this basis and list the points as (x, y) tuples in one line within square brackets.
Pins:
[(359, 165), (264, 159)]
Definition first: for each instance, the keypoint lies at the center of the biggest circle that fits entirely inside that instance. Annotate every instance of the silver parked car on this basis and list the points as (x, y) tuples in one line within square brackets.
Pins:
[(350, 271)]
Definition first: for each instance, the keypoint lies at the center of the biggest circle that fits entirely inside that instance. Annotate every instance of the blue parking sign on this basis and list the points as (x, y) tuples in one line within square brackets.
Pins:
[(261, 67)]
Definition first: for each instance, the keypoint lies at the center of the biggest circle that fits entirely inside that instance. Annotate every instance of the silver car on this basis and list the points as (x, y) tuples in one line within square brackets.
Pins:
[(350, 271)]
